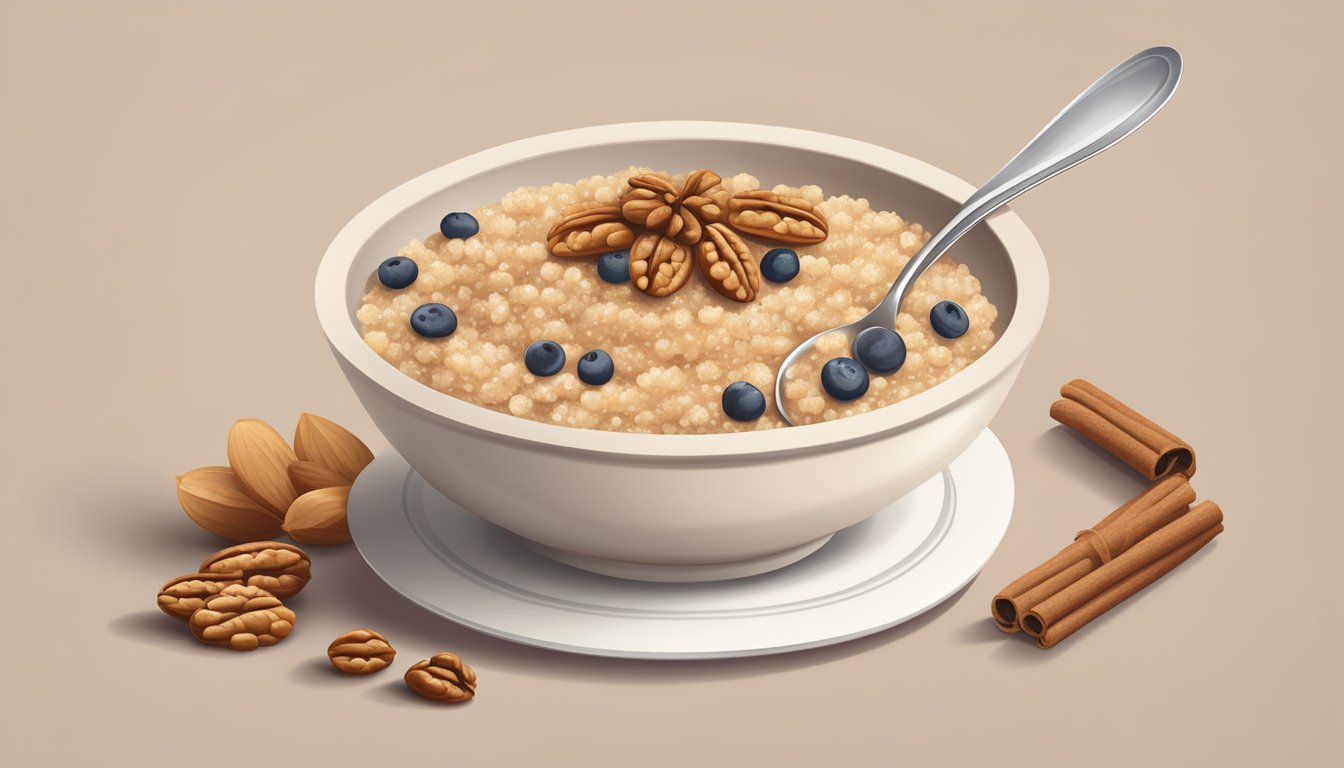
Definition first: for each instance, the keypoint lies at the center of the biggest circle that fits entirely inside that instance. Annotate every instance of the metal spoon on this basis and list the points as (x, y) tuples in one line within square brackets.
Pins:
[(1109, 110)]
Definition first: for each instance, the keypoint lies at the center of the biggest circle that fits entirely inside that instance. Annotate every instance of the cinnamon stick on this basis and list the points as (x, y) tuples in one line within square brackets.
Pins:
[(1129, 435), (1073, 607), (1112, 536)]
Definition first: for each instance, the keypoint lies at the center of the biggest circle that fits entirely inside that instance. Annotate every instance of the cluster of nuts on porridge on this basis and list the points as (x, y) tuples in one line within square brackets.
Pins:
[(600, 272)]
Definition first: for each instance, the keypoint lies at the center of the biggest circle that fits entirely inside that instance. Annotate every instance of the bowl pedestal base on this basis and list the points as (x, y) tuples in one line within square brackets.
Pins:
[(622, 569)]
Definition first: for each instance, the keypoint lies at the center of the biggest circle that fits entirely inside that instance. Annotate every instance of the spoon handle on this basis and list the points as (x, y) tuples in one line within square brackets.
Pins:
[(1109, 110)]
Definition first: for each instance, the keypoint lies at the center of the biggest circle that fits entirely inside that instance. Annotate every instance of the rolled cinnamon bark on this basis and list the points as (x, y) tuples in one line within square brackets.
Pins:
[(1117, 532), (1129, 435), (1073, 607)]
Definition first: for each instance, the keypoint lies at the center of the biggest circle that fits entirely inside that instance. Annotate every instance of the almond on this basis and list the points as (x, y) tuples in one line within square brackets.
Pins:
[(260, 459), (214, 499), (318, 517), (308, 476), (325, 442)]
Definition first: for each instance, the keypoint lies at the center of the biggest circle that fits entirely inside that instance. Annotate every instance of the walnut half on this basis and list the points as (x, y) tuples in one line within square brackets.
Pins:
[(442, 677), (776, 217), (589, 230), (726, 262), (659, 265), (279, 568), (242, 618)]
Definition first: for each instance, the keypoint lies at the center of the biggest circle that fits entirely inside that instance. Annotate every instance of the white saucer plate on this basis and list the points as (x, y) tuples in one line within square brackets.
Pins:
[(906, 559)]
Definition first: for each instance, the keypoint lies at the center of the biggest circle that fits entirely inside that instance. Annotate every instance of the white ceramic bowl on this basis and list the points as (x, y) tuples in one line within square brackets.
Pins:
[(681, 507)]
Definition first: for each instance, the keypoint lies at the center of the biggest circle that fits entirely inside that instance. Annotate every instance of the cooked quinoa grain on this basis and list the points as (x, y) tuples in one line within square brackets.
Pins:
[(673, 356)]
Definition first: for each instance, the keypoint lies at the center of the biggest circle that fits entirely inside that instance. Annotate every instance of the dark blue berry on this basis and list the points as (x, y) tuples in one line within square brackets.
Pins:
[(743, 402), (433, 321), (779, 265), (614, 267), (544, 358), (844, 379), (459, 225), (596, 368), (398, 272), (949, 319), (882, 350)]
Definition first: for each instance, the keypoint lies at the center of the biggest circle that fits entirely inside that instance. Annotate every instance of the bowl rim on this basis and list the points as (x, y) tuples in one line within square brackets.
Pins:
[(337, 321)]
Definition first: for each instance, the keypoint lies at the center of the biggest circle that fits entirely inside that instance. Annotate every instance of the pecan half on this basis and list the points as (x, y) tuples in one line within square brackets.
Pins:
[(589, 230), (709, 208), (442, 677), (280, 569), (727, 263), (242, 618), (776, 217), (360, 652), (655, 203), (659, 266), (181, 597)]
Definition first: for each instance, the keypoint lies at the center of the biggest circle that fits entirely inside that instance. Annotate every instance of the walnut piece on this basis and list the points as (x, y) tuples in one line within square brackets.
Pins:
[(726, 262), (181, 597), (659, 265), (442, 677), (280, 569), (242, 618), (589, 230), (360, 652), (657, 204), (776, 217)]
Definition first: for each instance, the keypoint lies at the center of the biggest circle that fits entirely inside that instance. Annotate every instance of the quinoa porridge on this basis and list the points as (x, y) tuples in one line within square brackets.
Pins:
[(554, 331)]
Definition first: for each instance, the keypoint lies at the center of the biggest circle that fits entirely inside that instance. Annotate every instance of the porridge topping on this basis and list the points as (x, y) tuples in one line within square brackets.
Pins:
[(587, 230), (881, 350), (844, 379), (657, 204), (459, 225), (779, 265), (596, 368), (433, 321), (397, 273), (614, 267), (659, 265), (949, 319), (668, 225), (544, 358), (776, 217), (727, 263), (743, 401)]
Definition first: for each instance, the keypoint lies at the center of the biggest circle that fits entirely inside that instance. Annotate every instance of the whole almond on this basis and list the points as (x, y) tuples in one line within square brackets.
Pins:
[(325, 442), (318, 517), (260, 459), (309, 476), (214, 499)]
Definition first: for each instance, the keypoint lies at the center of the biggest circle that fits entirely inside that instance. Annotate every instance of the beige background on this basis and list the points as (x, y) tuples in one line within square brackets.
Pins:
[(172, 173)]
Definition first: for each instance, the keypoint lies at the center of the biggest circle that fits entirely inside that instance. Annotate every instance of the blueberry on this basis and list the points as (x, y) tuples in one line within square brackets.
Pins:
[(433, 321), (779, 265), (595, 367), (949, 319), (844, 379), (459, 225), (544, 358), (882, 350), (743, 402), (614, 267), (398, 272)]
